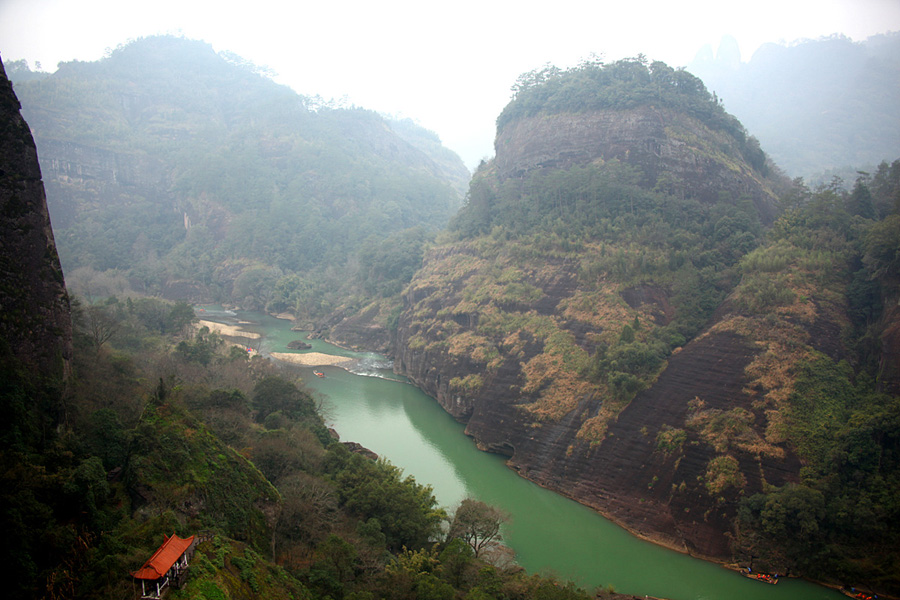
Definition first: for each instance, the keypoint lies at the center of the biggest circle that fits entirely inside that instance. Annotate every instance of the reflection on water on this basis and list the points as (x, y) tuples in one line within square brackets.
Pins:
[(548, 532)]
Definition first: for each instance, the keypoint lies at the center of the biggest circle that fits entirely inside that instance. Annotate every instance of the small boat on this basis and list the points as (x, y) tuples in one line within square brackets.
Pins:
[(319, 373), (764, 577), (859, 595)]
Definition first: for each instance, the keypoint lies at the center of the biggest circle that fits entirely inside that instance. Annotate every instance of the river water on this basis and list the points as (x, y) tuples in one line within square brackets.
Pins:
[(550, 534)]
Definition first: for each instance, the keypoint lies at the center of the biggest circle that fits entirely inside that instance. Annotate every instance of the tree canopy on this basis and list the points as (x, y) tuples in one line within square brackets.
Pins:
[(477, 524)]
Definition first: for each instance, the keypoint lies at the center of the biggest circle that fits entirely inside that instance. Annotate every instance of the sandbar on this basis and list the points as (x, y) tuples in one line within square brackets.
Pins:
[(229, 330), (311, 359)]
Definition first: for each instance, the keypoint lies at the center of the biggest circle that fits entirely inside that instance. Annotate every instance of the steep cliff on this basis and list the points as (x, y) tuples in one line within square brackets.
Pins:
[(516, 368), (674, 151), (35, 323), (570, 322)]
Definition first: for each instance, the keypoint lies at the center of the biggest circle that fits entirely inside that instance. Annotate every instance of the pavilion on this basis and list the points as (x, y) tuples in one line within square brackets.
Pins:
[(166, 566)]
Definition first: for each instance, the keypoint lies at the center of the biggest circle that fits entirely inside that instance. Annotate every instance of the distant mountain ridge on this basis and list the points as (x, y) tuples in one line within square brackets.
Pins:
[(816, 105), (201, 179)]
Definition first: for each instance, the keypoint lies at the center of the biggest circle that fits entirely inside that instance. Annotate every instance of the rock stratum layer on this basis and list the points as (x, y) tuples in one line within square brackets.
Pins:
[(652, 467)]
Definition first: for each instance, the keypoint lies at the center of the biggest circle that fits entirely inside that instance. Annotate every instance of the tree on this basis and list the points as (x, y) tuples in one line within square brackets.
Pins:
[(477, 524), (882, 251), (307, 514), (335, 567), (273, 394), (102, 324), (456, 558), (406, 510), (181, 315), (860, 201)]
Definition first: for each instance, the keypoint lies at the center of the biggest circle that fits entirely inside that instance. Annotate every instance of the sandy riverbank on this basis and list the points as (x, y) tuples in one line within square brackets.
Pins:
[(229, 330), (312, 359)]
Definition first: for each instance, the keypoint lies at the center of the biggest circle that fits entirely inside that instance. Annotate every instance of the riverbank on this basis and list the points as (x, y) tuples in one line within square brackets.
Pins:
[(306, 359), (229, 330)]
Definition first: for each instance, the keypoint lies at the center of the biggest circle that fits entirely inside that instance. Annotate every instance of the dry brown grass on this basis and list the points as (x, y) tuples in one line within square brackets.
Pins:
[(723, 472), (603, 307), (560, 397), (733, 429), (594, 429), (783, 339)]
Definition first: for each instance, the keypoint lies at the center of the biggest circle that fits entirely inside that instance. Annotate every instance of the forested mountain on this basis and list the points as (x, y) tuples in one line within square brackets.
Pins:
[(816, 105), (634, 305), (133, 425), (640, 312), (193, 176)]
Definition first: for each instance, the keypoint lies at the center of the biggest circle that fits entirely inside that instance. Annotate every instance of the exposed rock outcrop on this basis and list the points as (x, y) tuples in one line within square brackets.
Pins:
[(675, 152), (357, 329), (35, 318), (510, 338), (653, 469)]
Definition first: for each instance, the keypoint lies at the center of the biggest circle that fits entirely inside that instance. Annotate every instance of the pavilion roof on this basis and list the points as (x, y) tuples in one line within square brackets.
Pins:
[(163, 559)]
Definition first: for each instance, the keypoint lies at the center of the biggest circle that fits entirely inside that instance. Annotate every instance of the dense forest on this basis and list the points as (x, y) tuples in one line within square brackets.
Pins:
[(174, 170)]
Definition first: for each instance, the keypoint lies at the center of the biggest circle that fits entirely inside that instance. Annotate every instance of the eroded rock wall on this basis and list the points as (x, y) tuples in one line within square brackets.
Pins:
[(668, 493), (674, 152)]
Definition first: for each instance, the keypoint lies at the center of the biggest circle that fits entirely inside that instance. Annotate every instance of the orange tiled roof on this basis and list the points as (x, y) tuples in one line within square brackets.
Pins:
[(163, 559)]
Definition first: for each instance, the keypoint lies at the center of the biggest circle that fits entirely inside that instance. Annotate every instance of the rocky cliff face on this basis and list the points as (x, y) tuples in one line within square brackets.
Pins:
[(82, 176), (34, 307), (524, 340), (363, 329), (675, 153), (656, 467)]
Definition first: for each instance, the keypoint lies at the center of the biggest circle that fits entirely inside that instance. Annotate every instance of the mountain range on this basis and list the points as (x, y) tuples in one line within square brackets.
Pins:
[(633, 302)]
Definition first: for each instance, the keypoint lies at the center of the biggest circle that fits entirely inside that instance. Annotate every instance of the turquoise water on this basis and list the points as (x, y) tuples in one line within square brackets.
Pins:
[(549, 533)]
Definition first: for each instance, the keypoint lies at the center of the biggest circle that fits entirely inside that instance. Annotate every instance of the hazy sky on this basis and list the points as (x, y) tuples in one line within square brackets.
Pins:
[(447, 65)]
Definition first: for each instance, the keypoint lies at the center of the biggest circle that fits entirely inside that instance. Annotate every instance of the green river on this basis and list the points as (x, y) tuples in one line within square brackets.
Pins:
[(371, 405)]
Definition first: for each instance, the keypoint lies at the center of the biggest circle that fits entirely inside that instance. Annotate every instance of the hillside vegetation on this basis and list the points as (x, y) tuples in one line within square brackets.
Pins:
[(818, 300), (168, 429), (178, 171), (551, 313)]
